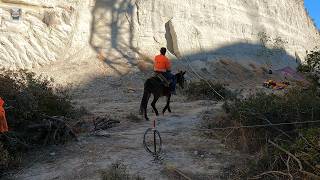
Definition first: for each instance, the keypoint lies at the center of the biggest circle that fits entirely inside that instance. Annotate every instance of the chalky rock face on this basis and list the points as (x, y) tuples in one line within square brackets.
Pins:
[(122, 30), (45, 31), (207, 29)]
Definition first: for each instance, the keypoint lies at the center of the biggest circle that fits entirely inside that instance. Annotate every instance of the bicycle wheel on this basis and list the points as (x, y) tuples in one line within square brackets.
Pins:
[(152, 141)]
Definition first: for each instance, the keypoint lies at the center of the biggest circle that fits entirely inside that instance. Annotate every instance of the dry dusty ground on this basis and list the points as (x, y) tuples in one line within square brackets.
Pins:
[(183, 148)]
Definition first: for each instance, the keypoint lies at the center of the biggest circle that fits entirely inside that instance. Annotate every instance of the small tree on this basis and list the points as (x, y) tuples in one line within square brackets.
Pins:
[(312, 64), (270, 47)]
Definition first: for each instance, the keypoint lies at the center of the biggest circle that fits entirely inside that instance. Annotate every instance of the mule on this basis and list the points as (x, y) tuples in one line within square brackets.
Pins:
[(154, 86)]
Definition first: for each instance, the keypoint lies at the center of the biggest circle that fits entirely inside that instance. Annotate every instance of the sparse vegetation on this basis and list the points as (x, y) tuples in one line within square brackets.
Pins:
[(284, 151), (30, 103), (134, 118), (311, 67), (118, 171), (200, 90)]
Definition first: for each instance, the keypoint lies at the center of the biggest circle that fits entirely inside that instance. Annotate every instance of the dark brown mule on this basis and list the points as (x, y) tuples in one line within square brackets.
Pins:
[(154, 86)]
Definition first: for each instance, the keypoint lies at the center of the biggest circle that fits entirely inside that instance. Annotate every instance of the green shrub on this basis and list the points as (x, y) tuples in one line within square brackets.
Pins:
[(311, 67), (204, 90), (301, 140), (312, 62)]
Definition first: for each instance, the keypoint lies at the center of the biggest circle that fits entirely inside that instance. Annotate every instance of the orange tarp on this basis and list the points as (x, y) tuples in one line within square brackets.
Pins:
[(275, 85), (3, 121)]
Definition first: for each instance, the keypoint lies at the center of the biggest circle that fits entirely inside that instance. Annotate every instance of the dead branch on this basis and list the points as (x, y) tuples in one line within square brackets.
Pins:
[(288, 164), (273, 173), (296, 159), (181, 174), (310, 175), (287, 152)]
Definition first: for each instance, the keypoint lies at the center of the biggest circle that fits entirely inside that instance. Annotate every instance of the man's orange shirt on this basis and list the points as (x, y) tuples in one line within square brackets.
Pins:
[(161, 63), (3, 121)]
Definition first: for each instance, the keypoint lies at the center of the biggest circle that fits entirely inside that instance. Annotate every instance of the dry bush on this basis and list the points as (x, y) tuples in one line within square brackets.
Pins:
[(264, 69), (253, 66), (118, 171), (29, 101), (134, 118), (202, 90)]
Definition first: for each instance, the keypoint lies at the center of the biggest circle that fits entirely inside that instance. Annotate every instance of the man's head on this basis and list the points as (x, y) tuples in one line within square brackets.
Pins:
[(163, 51)]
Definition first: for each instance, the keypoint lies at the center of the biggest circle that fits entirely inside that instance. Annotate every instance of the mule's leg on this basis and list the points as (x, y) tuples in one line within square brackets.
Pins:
[(169, 109), (145, 106), (153, 104), (167, 105)]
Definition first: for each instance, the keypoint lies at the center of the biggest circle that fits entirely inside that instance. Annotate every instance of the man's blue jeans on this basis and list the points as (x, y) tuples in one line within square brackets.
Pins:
[(172, 80)]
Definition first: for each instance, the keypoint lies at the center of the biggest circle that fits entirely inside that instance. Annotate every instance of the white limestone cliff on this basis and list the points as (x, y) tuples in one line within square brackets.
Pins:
[(203, 30)]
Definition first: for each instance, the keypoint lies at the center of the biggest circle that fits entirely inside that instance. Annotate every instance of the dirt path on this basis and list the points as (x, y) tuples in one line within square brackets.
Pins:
[(183, 148)]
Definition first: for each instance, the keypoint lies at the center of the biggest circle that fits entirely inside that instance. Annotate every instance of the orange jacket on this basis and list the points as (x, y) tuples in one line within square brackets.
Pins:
[(161, 63), (3, 121)]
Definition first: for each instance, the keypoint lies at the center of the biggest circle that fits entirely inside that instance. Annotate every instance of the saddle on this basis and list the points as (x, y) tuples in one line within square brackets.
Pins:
[(163, 79)]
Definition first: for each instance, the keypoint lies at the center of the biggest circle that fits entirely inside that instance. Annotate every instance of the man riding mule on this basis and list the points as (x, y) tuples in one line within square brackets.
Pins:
[(162, 84), (162, 69)]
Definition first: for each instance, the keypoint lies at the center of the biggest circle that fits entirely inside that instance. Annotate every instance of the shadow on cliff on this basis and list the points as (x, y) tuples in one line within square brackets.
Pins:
[(246, 53), (112, 31)]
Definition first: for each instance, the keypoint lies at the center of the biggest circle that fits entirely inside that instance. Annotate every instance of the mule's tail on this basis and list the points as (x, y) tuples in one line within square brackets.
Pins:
[(144, 102)]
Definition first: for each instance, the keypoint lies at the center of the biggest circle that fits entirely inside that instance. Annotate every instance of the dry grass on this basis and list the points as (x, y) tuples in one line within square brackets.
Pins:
[(253, 66), (134, 118), (118, 171)]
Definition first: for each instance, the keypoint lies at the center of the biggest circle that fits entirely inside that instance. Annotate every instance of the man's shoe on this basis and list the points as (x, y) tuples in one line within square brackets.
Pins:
[(173, 92)]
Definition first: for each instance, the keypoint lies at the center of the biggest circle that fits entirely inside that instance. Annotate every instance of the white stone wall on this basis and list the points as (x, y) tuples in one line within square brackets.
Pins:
[(201, 30), (48, 31), (212, 28)]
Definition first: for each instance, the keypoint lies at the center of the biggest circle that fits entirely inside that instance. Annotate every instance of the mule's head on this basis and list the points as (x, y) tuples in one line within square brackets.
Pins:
[(180, 78)]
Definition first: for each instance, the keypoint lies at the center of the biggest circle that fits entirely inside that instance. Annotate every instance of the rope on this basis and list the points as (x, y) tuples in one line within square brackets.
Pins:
[(222, 128), (199, 76), (258, 125)]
